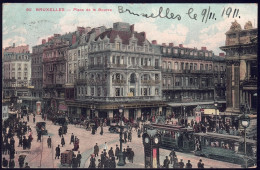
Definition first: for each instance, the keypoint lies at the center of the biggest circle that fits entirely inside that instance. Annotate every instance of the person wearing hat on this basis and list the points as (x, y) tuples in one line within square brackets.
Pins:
[(92, 161), (49, 142), (181, 164), (117, 152), (172, 155), (26, 165), (79, 158), (111, 153), (57, 152), (166, 162), (188, 165), (96, 150), (200, 164), (99, 164), (124, 155), (74, 163)]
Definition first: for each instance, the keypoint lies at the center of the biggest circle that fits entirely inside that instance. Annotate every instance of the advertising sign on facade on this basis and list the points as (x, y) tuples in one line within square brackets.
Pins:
[(38, 107)]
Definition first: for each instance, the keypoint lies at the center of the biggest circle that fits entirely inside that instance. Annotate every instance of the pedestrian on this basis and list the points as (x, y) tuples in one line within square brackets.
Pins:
[(57, 152), (7, 145), (117, 152), (92, 161), (101, 131), (124, 155), (5, 162), (172, 155), (111, 153), (21, 161), (33, 119), (188, 165), (131, 156), (166, 162), (12, 152), (29, 141), (49, 142), (26, 165), (11, 163), (113, 163), (24, 143), (60, 131), (62, 141), (72, 138), (79, 158), (105, 147), (74, 161), (129, 136), (93, 130), (200, 164), (12, 141), (99, 164), (181, 164), (139, 133), (102, 158), (96, 150), (28, 118)]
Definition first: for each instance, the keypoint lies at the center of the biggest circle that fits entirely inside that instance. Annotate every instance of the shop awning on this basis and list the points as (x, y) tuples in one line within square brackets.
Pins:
[(189, 104)]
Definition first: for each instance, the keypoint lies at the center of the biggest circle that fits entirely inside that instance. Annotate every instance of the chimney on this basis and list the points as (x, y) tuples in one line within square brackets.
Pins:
[(204, 48), (143, 34), (171, 44), (56, 35), (222, 54), (43, 41), (132, 28), (73, 39), (180, 45), (163, 44), (154, 42), (49, 38), (13, 44)]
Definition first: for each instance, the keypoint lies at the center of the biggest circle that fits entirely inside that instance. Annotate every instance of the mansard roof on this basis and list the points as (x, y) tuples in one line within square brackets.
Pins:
[(124, 35)]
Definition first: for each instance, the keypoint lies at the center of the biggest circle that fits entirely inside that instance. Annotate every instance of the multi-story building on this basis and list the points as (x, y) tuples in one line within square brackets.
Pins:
[(37, 73), (55, 74), (17, 73), (123, 68), (191, 77), (241, 59)]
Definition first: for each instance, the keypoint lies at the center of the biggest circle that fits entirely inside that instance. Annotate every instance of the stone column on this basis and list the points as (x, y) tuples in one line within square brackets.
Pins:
[(96, 113), (236, 85), (229, 85), (88, 112)]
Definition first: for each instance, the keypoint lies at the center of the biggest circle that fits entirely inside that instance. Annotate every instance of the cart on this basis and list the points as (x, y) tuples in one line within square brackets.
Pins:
[(66, 158)]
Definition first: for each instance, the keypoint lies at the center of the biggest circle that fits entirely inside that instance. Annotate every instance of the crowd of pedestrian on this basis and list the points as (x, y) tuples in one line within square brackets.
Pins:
[(172, 159)]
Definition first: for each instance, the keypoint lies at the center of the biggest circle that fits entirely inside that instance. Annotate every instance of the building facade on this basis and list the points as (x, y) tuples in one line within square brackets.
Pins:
[(123, 68), (191, 77), (17, 74), (241, 58)]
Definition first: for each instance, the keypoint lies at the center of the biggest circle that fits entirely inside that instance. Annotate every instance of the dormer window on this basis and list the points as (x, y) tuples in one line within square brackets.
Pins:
[(175, 51), (169, 50), (117, 46), (164, 50), (182, 52)]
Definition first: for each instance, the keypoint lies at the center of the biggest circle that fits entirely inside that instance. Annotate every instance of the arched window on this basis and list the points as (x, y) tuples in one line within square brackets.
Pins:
[(133, 78)]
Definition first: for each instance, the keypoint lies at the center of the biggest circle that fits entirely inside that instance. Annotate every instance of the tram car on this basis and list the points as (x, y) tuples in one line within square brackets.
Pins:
[(41, 127), (227, 148), (174, 137)]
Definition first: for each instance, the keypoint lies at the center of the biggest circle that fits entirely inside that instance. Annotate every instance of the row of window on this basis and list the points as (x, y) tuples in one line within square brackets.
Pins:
[(16, 57), (190, 94), (189, 66), (102, 91), (186, 52), (188, 81)]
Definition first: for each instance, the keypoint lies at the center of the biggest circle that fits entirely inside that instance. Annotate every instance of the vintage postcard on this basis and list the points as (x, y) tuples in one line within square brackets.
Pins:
[(126, 85)]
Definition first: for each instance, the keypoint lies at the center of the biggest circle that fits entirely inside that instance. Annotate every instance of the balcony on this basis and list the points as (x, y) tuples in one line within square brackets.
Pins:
[(81, 81), (118, 65), (96, 66), (118, 82), (148, 67), (120, 98), (150, 82), (52, 59)]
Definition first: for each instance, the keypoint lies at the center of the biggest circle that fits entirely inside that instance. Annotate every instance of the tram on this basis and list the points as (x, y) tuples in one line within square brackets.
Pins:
[(227, 148), (174, 137)]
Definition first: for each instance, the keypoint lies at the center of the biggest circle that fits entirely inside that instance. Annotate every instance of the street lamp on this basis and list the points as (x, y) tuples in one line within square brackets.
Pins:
[(184, 115), (121, 159), (245, 121), (216, 107)]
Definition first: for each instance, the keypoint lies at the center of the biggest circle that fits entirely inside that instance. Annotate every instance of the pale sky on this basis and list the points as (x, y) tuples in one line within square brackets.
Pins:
[(22, 27)]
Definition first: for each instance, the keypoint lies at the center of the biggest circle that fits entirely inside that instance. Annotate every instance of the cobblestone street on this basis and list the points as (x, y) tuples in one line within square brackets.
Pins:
[(40, 156)]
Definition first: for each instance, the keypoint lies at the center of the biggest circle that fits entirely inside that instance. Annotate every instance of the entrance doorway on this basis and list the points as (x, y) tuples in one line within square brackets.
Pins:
[(102, 114)]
